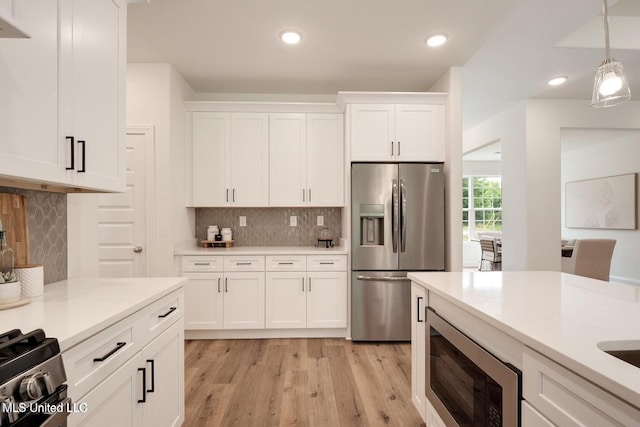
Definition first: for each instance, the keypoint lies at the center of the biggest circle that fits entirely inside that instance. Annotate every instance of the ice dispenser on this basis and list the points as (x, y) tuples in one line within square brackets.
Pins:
[(371, 225)]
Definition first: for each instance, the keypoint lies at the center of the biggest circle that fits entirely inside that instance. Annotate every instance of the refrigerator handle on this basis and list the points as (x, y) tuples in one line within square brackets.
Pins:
[(403, 215), (394, 215)]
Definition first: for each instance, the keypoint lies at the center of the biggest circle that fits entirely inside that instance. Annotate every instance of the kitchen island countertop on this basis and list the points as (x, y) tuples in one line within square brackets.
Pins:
[(560, 315), (75, 309), (192, 249)]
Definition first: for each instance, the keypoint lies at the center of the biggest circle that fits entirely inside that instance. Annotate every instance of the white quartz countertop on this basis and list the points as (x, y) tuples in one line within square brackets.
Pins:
[(560, 315), (73, 310), (260, 250)]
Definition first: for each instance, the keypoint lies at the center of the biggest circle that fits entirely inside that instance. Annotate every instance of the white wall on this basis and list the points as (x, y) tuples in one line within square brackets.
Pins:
[(531, 133), (154, 97), (451, 82), (508, 127), (613, 156)]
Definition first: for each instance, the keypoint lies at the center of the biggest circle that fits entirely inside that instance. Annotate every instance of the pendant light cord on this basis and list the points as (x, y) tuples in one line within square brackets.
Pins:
[(606, 29)]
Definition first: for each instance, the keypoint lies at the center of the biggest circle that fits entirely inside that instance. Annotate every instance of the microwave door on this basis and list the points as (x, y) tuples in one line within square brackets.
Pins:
[(374, 193), (421, 216)]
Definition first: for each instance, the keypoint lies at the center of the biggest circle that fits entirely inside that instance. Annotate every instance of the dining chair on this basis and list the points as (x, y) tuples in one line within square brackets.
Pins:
[(590, 258), (491, 255)]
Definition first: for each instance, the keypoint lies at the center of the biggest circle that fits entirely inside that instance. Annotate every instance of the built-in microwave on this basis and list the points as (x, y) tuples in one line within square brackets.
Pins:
[(466, 384)]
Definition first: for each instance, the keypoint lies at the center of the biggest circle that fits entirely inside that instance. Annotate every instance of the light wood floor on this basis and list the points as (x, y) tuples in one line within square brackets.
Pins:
[(298, 382)]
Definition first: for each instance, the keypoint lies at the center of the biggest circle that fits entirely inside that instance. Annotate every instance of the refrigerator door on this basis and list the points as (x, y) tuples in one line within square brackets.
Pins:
[(421, 216), (380, 306), (374, 193)]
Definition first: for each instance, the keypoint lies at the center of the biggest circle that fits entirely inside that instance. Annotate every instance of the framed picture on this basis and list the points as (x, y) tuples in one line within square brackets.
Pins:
[(608, 202)]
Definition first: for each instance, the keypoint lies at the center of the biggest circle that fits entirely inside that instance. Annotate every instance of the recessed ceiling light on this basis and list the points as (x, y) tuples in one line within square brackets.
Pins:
[(436, 40), (557, 81), (291, 37)]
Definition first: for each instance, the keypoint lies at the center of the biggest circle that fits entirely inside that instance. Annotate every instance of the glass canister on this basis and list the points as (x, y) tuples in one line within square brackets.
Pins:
[(226, 234), (212, 230)]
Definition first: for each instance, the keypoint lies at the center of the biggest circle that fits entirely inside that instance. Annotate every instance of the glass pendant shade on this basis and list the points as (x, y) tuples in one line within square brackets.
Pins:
[(610, 86)]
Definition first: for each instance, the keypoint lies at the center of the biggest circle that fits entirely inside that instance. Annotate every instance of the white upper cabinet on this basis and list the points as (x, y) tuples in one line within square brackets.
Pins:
[(62, 119), (395, 126), (306, 159), (230, 159)]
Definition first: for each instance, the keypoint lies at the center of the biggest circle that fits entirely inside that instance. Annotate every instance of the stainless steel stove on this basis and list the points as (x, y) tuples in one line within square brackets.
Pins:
[(32, 377)]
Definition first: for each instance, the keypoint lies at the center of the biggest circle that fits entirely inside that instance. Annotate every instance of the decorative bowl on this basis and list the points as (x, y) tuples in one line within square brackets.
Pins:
[(9, 292)]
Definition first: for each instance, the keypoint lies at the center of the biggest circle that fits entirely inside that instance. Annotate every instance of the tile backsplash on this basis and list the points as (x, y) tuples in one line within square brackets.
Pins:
[(270, 226), (47, 231)]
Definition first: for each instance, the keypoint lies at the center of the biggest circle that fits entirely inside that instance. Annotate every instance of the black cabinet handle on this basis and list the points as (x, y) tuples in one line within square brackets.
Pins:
[(309, 287), (227, 194), (218, 285), (391, 148), (111, 353), (303, 284), (326, 263), (144, 385), (84, 157), (285, 263), (73, 152), (226, 279), (171, 310), (418, 307), (398, 148), (234, 195), (153, 375)]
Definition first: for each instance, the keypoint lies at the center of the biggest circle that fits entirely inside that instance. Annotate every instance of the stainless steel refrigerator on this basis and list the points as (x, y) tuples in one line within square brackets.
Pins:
[(397, 226)]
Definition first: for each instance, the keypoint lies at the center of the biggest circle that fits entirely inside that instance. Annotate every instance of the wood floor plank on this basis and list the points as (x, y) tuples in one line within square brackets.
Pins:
[(298, 382)]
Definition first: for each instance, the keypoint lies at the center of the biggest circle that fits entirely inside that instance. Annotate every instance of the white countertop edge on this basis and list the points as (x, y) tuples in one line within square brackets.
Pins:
[(614, 384), (261, 250), (73, 340)]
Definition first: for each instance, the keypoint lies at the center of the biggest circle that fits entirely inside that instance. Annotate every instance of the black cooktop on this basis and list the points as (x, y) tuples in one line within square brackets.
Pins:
[(20, 352)]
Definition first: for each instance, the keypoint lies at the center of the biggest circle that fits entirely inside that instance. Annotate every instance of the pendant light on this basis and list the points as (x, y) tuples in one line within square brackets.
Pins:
[(610, 86)]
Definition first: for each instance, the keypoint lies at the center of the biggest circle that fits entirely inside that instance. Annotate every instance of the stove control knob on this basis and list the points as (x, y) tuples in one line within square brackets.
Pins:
[(9, 408), (35, 386)]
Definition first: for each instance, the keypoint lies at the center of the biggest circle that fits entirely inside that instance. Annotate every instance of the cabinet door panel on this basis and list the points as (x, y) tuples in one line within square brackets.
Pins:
[(98, 64), (164, 358), (249, 159), (286, 300), (327, 299), (372, 132), (115, 401), (418, 304), (420, 132), (325, 161), (29, 87), (287, 159), (210, 138), (203, 301), (244, 301)]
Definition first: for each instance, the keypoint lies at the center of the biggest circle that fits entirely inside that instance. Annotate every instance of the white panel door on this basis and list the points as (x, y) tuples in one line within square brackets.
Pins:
[(419, 132), (164, 364), (98, 98), (114, 402), (244, 300), (286, 300), (210, 137), (249, 159), (325, 160), (372, 132), (287, 159), (327, 299), (122, 217), (203, 305)]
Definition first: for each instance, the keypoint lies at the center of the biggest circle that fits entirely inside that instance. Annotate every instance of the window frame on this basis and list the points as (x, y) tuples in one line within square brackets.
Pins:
[(471, 209)]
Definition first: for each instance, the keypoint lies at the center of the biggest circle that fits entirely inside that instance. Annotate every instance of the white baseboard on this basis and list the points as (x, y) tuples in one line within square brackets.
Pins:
[(264, 333), (624, 280)]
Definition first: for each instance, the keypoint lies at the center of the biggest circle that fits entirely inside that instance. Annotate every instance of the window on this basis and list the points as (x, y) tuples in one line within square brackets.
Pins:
[(481, 205)]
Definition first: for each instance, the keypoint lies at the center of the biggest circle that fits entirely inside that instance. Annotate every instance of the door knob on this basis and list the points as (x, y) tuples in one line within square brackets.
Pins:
[(137, 249)]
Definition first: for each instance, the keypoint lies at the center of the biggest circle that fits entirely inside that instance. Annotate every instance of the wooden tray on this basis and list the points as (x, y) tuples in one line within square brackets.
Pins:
[(217, 244), (14, 304)]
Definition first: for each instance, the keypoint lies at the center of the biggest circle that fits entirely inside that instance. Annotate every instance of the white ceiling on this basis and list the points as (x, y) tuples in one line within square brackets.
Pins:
[(507, 47)]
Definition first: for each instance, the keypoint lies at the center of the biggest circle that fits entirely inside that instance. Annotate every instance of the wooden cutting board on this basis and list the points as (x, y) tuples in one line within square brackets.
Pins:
[(14, 214)]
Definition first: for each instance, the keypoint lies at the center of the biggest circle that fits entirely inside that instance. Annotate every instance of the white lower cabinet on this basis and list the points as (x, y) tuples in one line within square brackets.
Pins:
[(533, 418), (296, 292), (432, 419), (243, 300), (567, 399), (163, 361), (418, 356), (111, 387)]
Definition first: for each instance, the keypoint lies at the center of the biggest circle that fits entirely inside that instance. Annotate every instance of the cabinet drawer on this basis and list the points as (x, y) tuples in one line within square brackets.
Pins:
[(287, 263), (94, 359), (327, 263), (202, 263), (243, 263), (162, 314), (567, 399)]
